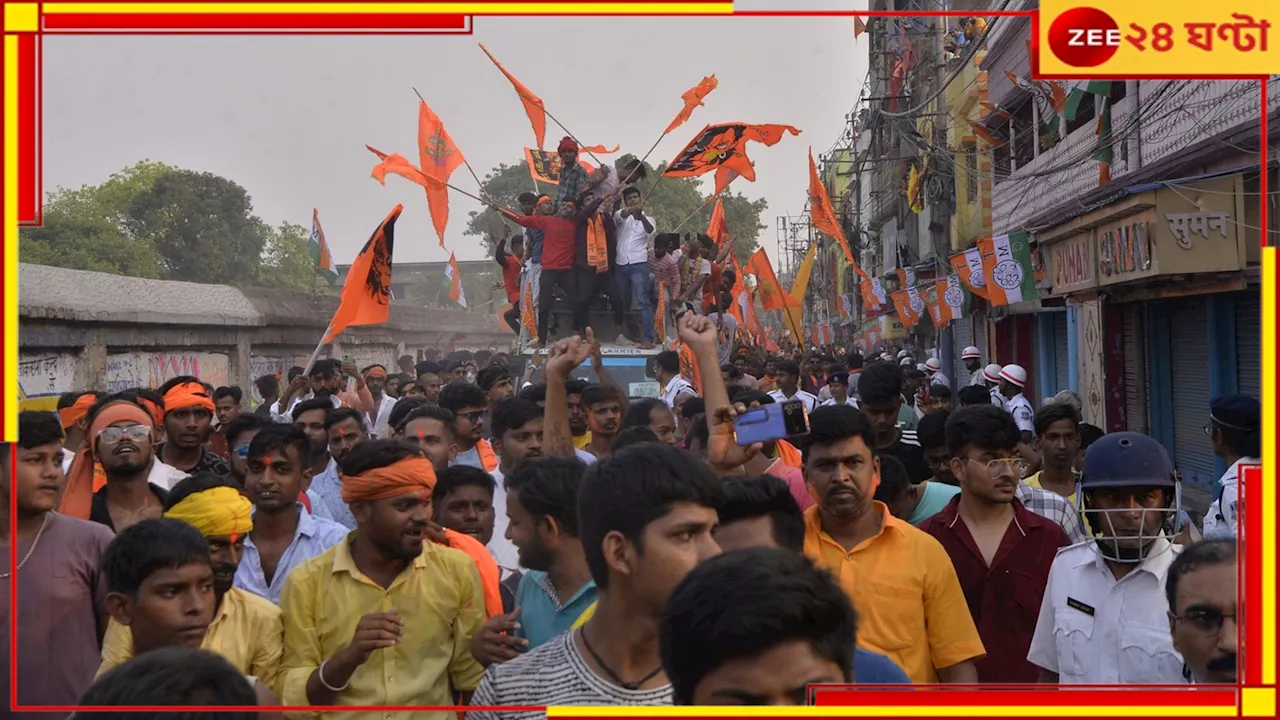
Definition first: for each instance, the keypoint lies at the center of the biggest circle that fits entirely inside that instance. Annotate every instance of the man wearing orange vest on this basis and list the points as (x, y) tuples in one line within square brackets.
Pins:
[(469, 405)]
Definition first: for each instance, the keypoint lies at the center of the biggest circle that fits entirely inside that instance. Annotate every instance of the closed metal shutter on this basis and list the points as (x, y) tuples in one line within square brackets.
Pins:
[(962, 337), (1249, 343), (1061, 358), (1135, 369), (1032, 367), (1189, 363)]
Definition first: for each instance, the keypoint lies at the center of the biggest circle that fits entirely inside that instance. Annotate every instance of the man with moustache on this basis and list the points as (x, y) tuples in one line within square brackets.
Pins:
[(573, 388), (376, 420), (603, 404), (345, 430), (239, 434), (326, 380), (245, 629), (383, 589), (325, 486), (188, 423), (1203, 610), (62, 610)]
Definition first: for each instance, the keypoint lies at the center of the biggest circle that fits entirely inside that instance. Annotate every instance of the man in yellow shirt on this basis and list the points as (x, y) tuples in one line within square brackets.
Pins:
[(161, 593), (384, 617), (245, 629), (900, 579)]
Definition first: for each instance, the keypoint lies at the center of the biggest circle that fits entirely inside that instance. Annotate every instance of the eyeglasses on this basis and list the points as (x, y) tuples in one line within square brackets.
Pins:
[(474, 417), (242, 452), (113, 435), (1205, 620), (1016, 467)]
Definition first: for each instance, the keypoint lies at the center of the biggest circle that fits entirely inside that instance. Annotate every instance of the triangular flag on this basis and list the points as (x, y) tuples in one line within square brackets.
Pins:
[(366, 296), (533, 105), (692, 99), (438, 157), (823, 217), (716, 229), (859, 27)]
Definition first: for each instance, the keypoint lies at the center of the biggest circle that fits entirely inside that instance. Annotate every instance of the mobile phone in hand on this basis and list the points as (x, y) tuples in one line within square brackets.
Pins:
[(767, 423)]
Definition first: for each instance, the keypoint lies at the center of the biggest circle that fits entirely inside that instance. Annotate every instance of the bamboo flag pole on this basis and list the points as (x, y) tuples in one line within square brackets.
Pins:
[(695, 212)]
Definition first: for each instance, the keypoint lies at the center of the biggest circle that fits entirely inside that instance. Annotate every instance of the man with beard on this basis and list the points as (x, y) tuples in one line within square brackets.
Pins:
[(245, 629), (495, 381), (603, 404), (645, 520), (880, 397), (323, 484), (239, 434), (573, 388), (1203, 610), (469, 406), (653, 414), (557, 587), (377, 419), (518, 430), (284, 534), (162, 594), (434, 431), (326, 380), (1104, 617), (972, 358), (900, 579), (383, 589), (345, 429), (61, 603), (188, 423)]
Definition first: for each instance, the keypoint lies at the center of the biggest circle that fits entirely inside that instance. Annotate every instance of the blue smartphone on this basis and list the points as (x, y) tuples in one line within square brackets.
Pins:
[(767, 423)]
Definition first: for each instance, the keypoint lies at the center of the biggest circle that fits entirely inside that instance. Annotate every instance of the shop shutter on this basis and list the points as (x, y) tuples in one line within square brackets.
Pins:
[(1032, 366), (1135, 368), (961, 337), (1061, 358), (1189, 362), (1249, 344)]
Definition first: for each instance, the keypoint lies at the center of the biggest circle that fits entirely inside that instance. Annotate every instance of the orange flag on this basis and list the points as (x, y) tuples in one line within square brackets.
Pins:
[(823, 217), (772, 296), (724, 176), (599, 150), (744, 307), (533, 105), (438, 157), (396, 164), (692, 99), (724, 146), (859, 27), (716, 229), (366, 297)]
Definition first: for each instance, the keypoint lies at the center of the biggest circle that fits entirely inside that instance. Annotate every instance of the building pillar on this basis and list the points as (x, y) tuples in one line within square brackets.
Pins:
[(1092, 391), (1073, 348), (1223, 379)]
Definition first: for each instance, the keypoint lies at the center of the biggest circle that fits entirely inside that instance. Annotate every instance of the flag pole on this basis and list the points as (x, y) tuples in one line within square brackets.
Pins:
[(572, 137), (464, 157), (311, 361), (695, 212)]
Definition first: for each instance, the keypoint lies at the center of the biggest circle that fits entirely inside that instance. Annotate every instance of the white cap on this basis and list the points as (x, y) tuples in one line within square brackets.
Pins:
[(903, 353), (886, 356), (1014, 374), (906, 361), (933, 365), (970, 352), (922, 367), (991, 373)]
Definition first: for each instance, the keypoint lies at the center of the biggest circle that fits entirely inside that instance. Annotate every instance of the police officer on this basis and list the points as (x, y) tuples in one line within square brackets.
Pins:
[(991, 377), (972, 364), (1235, 429), (1012, 380), (1104, 615)]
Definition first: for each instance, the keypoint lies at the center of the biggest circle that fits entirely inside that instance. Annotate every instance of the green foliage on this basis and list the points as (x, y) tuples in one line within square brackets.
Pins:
[(154, 220), (670, 202)]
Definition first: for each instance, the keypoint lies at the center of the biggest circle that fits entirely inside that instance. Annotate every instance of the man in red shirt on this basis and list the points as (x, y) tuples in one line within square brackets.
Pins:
[(511, 264), (1001, 551), (558, 250)]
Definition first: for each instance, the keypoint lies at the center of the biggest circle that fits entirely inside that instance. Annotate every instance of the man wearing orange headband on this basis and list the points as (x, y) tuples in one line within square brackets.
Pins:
[(188, 424), (246, 629), (133, 483), (383, 618), (376, 421), (74, 423)]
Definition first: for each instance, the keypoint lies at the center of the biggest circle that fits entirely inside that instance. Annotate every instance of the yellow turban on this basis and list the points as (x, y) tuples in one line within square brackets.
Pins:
[(216, 512)]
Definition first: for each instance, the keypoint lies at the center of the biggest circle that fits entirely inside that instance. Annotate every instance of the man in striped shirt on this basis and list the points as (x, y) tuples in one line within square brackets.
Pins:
[(880, 397), (653, 508)]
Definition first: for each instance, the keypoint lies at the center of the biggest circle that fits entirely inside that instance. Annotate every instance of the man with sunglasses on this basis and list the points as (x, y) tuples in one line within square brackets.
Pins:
[(1104, 615), (1001, 551), (469, 406)]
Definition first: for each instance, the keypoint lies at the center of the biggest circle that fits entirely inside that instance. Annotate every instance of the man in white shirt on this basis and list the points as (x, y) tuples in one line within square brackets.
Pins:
[(933, 366), (674, 386), (991, 378), (635, 230), (789, 386), (376, 422), (1104, 616), (973, 365), (1012, 380), (1235, 429)]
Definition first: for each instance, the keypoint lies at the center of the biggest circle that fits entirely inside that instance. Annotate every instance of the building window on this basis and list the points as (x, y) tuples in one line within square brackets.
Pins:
[(1119, 89), (1086, 112), (1024, 137), (1000, 162), (970, 151)]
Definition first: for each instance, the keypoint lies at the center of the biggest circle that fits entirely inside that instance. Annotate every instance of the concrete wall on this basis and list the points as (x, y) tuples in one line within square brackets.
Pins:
[(94, 331)]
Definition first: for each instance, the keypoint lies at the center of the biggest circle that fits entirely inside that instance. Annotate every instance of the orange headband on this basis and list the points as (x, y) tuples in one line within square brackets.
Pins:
[(77, 497), (71, 415), (399, 478), (187, 395), (377, 371)]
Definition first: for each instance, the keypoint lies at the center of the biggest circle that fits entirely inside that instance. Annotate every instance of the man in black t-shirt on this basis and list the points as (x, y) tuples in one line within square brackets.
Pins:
[(880, 396)]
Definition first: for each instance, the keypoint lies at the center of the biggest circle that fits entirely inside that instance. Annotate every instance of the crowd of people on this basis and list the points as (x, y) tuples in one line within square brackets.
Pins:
[(453, 535)]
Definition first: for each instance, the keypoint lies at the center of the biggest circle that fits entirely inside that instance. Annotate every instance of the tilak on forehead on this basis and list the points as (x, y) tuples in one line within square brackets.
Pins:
[(216, 512)]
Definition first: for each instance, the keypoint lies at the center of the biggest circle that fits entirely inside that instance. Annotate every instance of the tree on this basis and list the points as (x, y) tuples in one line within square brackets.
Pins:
[(670, 201), (286, 261)]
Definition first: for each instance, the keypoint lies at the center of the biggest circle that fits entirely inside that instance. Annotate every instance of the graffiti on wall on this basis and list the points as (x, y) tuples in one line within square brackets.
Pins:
[(42, 377), (130, 370)]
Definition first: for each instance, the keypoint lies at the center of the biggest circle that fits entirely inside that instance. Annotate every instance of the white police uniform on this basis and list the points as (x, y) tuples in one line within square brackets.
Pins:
[(1221, 520), (1020, 408), (1094, 628), (996, 398)]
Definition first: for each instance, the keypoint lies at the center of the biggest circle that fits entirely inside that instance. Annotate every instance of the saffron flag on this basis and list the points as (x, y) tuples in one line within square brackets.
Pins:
[(1006, 265), (724, 146), (744, 307), (907, 278), (771, 295), (873, 296), (692, 99), (366, 296), (660, 315), (859, 26), (527, 317), (457, 293), (320, 250), (533, 105), (908, 306), (724, 176), (968, 266), (823, 217), (716, 229), (438, 157), (948, 300), (545, 166), (599, 149)]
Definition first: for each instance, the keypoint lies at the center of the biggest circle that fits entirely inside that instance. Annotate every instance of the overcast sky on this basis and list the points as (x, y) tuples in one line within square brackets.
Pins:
[(288, 117)]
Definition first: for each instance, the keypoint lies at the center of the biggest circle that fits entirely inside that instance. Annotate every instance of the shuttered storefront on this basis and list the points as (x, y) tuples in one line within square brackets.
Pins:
[(1032, 364), (1135, 368), (1189, 371), (962, 337), (1249, 343), (1061, 358)]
